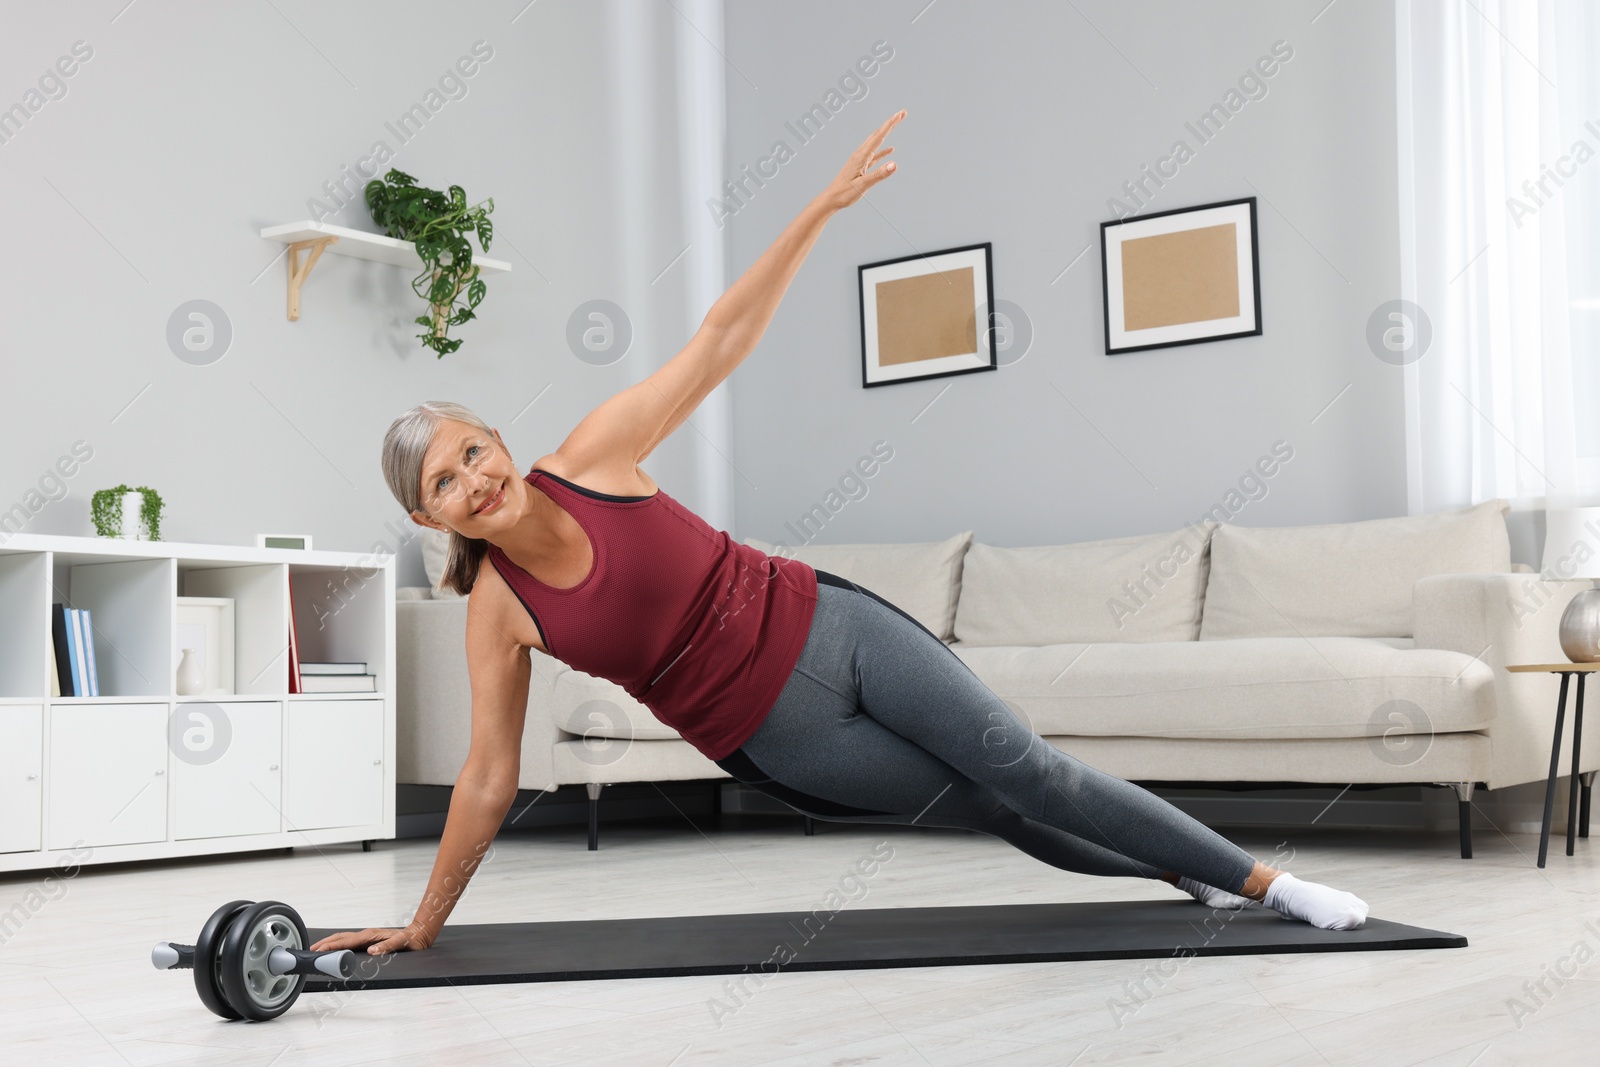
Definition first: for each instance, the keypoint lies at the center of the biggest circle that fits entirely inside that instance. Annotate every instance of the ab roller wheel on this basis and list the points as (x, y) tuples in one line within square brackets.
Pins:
[(249, 984), (251, 961), (207, 951)]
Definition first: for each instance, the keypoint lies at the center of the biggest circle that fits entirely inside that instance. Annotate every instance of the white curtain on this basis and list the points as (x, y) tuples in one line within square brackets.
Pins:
[(1499, 130), (668, 134)]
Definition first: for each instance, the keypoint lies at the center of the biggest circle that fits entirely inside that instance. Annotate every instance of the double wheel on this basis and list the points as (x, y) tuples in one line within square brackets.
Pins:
[(251, 961)]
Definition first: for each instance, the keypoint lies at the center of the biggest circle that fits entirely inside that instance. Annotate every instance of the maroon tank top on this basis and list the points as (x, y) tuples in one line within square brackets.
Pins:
[(699, 628)]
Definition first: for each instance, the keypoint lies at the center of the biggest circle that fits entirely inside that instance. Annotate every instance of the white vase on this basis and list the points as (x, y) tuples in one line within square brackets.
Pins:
[(191, 679), (134, 528)]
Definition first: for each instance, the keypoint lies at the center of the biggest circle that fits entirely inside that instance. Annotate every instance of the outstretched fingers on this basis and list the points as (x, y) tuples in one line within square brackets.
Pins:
[(875, 138), (875, 176)]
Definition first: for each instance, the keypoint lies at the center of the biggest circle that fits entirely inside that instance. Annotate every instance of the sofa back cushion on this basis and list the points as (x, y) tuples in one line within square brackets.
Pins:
[(1348, 579), (1144, 588), (435, 555), (922, 579)]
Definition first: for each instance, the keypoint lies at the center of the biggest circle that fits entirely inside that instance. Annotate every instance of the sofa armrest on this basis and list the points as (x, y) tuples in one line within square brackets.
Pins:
[(1502, 619), (433, 699)]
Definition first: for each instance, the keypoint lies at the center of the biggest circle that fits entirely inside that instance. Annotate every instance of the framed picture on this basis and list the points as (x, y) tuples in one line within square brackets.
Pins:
[(927, 316), (1181, 277), (205, 624)]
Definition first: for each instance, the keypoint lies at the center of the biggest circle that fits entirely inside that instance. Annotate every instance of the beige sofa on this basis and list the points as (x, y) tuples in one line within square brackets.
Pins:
[(1367, 653)]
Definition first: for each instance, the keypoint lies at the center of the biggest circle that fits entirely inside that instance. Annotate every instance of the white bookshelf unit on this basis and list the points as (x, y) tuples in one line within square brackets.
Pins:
[(102, 779)]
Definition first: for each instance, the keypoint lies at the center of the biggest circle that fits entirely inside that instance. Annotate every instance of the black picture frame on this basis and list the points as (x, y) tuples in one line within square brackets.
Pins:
[(985, 336), (1106, 229)]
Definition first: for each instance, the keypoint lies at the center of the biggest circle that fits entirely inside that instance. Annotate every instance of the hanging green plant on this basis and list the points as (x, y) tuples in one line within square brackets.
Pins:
[(438, 223), (105, 507)]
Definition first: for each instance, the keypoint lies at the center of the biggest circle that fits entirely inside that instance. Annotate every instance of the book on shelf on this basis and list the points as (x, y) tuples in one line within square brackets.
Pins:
[(80, 672), (323, 667), (72, 634), (294, 651), (88, 651), (82, 666), (60, 627), (338, 683)]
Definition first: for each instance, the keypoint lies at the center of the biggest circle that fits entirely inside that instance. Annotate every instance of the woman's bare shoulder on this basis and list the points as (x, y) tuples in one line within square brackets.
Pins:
[(495, 602)]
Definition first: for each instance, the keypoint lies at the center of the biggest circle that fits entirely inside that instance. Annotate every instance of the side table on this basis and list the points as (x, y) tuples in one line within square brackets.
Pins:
[(1575, 814)]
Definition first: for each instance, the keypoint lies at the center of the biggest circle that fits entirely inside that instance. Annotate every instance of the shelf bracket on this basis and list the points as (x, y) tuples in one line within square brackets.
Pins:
[(298, 273)]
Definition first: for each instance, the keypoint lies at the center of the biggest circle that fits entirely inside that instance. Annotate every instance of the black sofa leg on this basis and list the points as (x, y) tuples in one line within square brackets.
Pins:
[(810, 830), (594, 815), (1464, 813), (1587, 778)]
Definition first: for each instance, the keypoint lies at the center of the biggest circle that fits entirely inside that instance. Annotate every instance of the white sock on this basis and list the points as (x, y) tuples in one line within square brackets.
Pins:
[(1211, 896), (1317, 904)]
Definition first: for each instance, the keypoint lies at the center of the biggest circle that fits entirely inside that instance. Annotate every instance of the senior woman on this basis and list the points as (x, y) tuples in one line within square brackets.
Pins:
[(795, 681)]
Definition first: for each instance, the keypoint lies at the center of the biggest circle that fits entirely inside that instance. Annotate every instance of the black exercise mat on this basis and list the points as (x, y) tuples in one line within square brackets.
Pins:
[(881, 937)]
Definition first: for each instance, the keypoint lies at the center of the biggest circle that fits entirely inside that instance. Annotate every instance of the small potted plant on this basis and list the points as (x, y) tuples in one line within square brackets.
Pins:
[(438, 224), (126, 512)]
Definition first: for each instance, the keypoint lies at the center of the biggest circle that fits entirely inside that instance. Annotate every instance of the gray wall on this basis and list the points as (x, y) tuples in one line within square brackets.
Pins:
[(1025, 118), (192, 125)]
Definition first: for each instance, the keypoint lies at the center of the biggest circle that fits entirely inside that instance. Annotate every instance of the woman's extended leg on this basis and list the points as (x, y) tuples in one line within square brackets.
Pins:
[(833, 763), (888, 669)]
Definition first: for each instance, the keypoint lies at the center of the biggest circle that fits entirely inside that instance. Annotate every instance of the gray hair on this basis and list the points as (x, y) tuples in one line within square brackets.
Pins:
[(404, 447)]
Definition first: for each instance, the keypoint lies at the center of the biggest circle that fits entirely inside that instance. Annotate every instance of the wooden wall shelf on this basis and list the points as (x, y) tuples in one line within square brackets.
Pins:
[(318, 237)]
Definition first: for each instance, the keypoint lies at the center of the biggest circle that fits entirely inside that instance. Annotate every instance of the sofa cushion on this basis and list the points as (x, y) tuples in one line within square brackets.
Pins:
[(1253, 688), (593, 707), (435, 556), (1138, 589), (922, 579), (1348, 579)]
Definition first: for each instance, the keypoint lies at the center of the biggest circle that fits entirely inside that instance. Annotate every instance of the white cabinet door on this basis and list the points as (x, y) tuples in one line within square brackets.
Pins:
[(225, 768), (21, 762), (333, 762), (107, 778)]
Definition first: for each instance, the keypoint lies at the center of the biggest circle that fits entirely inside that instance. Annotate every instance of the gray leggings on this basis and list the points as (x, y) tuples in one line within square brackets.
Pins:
[(880, 721)]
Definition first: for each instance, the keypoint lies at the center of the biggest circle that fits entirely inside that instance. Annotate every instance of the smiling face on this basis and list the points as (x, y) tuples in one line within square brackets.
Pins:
[(469, 483)]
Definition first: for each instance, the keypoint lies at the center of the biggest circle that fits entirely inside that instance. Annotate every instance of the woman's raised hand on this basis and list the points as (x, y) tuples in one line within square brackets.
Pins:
[(857, 176), (377, 939)]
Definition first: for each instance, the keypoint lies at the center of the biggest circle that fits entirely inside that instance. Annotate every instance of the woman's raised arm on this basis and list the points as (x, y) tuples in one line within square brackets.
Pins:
[(740, 315), (626, 428)]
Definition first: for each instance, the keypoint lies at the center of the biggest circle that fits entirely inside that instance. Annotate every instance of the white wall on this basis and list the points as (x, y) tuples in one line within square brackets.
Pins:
[(1025, 118), (192, 125)]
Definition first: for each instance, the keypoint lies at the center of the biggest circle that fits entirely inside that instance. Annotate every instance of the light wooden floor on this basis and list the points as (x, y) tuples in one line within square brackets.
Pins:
[(76, 985)]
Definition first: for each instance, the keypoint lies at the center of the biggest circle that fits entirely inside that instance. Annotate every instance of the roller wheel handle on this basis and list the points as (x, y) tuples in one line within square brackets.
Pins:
[(170, 957), (335, 963), (338, 963)]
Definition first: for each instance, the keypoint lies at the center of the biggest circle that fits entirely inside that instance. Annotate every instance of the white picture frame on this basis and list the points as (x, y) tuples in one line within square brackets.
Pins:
[(205, 624), (952, 290), (1181, 276)]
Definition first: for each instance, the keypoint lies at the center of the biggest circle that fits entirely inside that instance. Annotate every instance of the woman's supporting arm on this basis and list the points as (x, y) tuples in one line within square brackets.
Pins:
[(476, 811), (499, 671), (477, 808)]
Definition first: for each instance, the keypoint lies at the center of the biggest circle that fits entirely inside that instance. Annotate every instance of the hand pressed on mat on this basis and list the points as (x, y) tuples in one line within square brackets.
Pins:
[(378, 940)]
